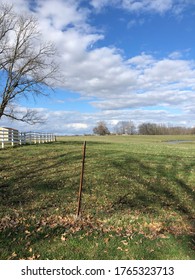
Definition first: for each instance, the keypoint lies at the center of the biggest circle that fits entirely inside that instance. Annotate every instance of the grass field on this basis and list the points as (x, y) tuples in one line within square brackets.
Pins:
[(138, 199)]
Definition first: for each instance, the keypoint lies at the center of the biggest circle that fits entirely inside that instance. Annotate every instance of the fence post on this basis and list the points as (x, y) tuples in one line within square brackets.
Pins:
[(2, 144), (35, 138), (81, 180), (20, 138), (12, 137)]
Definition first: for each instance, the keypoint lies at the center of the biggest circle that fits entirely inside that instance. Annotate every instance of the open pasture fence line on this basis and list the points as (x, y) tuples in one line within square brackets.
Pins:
[(14, 137)]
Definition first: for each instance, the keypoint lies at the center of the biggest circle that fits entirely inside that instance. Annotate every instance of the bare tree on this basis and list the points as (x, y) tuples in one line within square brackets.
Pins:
[(101, 129), (125, 127), (26, 63), (147, 129)]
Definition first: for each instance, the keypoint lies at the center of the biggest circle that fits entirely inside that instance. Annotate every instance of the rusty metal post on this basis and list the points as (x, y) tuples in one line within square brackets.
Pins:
[(81, 180)]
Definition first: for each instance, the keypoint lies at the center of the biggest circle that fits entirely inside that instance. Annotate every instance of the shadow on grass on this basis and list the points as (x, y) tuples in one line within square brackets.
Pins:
[(38, 176), (48, 179), (135, 183), (157, 186)]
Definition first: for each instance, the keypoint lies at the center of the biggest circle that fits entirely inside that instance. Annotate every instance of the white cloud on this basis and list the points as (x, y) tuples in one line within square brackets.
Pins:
[(20, 6), (141, 6), (175, 55), (159, 6), (99, 4), (60, 14), (165, 82), (77, 126), (135, 22), (141, 61), (169, 71)]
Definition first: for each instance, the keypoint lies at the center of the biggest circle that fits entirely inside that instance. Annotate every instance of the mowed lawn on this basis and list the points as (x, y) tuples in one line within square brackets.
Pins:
[(138, 199)]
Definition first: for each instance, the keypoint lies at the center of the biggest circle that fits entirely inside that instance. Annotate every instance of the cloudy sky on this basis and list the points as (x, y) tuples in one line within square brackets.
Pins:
[(119, 59)]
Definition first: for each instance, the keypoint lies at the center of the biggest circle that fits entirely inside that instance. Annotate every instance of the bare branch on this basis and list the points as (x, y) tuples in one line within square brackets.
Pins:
[(30, 116)]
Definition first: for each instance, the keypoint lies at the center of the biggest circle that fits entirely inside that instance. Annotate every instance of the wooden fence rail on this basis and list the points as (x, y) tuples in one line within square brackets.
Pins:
[(14, 137)]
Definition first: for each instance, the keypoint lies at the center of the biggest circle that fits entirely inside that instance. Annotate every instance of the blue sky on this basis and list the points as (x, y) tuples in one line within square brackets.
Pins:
[(119, 60)]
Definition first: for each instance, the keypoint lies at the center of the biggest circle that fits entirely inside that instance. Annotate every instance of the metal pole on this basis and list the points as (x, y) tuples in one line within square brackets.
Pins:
[(81, 180)]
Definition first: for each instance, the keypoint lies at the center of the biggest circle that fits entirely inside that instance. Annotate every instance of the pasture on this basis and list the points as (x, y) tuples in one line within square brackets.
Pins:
[(138, 199)]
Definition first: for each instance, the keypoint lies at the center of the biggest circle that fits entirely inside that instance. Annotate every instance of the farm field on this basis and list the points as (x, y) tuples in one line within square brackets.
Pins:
[(138, 199)]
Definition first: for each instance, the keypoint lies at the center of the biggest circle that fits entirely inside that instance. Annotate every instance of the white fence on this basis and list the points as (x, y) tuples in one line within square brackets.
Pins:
[(14, 137)]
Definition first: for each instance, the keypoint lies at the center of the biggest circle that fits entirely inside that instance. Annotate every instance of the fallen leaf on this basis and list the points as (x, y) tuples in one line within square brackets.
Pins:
[(14, 254), (119, 248), (106, 240), (124, 242), (63, 238)]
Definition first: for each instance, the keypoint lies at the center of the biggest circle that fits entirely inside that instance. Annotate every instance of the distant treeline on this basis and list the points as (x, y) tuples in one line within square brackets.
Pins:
[(162, 129), (129, 128)]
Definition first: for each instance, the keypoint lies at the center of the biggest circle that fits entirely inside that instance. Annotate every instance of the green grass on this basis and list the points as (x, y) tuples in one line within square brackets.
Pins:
[(138, 199)]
